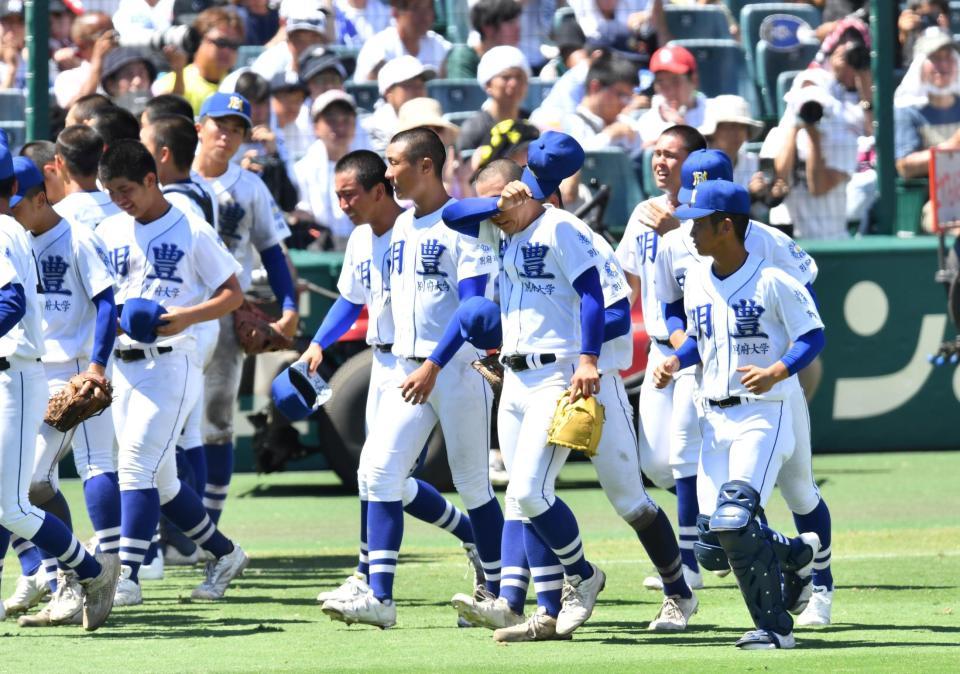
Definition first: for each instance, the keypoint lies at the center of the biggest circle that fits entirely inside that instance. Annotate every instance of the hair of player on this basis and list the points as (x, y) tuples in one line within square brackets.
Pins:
[(613, 69), (505, 169), (168, 104), (114, 124), (253, 87), (692, 139), (368, 167), (35, 190), (128, 159), (179, 135), (216, 17), (422, 143), (493, 13), (40, 152), (7, 187), (80, 147), (739, 220), (87, 106)]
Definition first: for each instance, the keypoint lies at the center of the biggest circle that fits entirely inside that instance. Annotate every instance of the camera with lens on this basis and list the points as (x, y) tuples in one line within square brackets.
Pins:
[(810, 112), (184, 38), (927, 21)]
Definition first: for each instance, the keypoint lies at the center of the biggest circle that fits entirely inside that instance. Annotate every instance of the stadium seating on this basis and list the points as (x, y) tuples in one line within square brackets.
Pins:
[(458, 118), (648, 185), (457, 95), (752, 16), (721, 67), (612, 167), (697, 22), (536, 93), (347, 56), (364, 93), (247, 54), (955, 16), (784, 82), (770, 63), (736, 6), (12, 116)]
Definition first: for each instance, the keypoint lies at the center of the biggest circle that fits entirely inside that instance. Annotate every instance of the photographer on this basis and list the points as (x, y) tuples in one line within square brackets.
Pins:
[(814, 151), (94, 37), (845, 54), (918, 17)]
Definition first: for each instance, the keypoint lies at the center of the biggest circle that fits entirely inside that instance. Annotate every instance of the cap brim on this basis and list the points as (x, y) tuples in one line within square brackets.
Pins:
[(15, 199), (466, 215), (683, 196), (690, 213), (232, 113), (541, 189)]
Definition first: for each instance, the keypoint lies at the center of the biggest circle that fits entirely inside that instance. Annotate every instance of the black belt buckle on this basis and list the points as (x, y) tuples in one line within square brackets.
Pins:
[(416, 359), (4, 364), (383, 348), (732, 401), (133, 355), (516, 362), (662, 342)]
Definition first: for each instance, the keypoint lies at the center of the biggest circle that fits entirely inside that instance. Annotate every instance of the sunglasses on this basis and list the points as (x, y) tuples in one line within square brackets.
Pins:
[(224, 43)]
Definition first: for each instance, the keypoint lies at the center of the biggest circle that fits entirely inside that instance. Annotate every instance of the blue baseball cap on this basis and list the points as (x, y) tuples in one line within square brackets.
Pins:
[(551, 158), (28, 176), (480, 323), (297, 393), (6, 159), (465, 215), (140, 318), (222, 104), (700, 166), (715, 195)]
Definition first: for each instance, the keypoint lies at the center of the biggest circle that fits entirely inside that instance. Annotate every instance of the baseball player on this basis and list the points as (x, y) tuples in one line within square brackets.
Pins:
[(78, 150), (676, 255), (23, 399), (668, 433), (432, 270), (79, 328), (249, 222), (742, 314), (366, 196), (618, 470), (167, 263)]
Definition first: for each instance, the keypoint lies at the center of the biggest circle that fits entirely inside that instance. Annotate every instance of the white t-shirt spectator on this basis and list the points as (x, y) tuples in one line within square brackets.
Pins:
[(317, 195), (138, 18), (386, 45), (357, 26), (273, 61), (588, 130), (651, 123), (591, 20), (381, 126), (748, 163)]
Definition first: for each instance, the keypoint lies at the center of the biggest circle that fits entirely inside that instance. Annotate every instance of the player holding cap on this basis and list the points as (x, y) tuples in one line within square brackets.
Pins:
[(742, 314), (249, 223), (366, 196)]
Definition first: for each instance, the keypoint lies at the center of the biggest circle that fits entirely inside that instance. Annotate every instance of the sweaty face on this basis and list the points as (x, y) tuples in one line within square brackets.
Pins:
[(131, 197), (222, 136), (358, 203), (668, 156)]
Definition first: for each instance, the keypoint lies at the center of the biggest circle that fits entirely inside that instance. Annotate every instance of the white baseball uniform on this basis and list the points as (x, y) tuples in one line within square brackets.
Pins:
[(677, 255), (23, 387), (427, 260), (74, 268), (748, 318), (176, 260), (249, 222), (86, 208)]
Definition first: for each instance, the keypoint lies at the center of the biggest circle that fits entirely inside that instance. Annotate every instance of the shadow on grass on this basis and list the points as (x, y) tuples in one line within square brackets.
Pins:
[(896, 587), (295, 490)]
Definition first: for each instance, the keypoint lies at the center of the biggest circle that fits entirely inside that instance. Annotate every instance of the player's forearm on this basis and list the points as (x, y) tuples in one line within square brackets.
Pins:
[(105, 333), (820, 178), (13, 306), (616, 320), (634, 282), (279, 276), (807, 347), (338, 320), (475, 286), (914, 165), (228, 297)]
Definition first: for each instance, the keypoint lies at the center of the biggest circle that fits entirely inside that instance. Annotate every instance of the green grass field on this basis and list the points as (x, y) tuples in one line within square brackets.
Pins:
[(896, 563)]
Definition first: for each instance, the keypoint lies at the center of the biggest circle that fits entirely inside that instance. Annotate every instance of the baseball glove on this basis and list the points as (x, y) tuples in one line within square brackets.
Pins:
[(491, 369), (255, 332), (72, 405), (577, 425)]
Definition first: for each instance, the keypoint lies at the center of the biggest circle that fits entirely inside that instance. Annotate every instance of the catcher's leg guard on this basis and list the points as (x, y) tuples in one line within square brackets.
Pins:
[(751, 555), (708, 550), (792, 553)]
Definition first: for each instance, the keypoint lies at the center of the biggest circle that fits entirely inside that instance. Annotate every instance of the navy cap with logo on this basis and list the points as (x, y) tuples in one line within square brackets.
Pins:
[(551, 158), (703, 165), (28, 177), (715, 195), (226, 105)]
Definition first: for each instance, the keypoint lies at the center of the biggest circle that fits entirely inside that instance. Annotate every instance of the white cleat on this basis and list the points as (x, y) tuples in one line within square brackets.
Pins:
[(173, 557), (693, 578), (64, 608), (755, 640), (29, 592), (128, 591), (675, 613), (493, 612), (366, 610), (354, 586), (220, 573), (476, 564), (153, 570), (100, 591), (578, 599), (819, 609)]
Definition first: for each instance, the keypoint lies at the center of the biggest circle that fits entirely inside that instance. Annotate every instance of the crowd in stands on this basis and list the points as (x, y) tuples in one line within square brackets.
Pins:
[(325, 77)]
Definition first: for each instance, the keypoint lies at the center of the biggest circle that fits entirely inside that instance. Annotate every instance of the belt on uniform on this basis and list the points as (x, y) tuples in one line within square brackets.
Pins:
[(5, 364), (732, 401), (662, 342), (519, 362), (417, 359), (133, 355), (385, 348)]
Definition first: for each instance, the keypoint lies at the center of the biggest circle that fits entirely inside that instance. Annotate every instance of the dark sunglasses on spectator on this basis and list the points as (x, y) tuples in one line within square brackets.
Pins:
[(224, 43)]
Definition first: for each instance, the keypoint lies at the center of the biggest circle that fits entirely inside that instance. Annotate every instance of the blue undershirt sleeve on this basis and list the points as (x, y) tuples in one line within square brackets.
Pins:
[(804, 350), (688, 354), (588, 288), (13, 306), (813, 295), (616, 320), (278, 274), (105, 332), (474, 286), (338, 320), (674, 316)]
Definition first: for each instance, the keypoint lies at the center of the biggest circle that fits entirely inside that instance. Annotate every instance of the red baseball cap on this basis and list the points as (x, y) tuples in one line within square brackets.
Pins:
[(673, 59)]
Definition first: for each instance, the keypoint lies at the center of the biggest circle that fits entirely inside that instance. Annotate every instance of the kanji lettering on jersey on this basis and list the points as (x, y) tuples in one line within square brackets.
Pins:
[(702, 316), (647, 243), (396, 257), (430, 252), (534, 261), (363, 270), (120, 258), (166, 256), (54, 269), (747, 314)]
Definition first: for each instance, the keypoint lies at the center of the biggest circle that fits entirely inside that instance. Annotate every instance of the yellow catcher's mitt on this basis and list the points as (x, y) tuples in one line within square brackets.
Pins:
[(72, 404), (577, 425)]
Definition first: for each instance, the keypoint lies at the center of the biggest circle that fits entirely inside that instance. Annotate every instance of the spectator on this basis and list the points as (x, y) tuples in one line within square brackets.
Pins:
[(597, 122), (504, 74), (918, 17), (320, 71), (359, 20), (727, 126), (334, 114), (306, 27), (292, 117), (221, 33), (927, 105), (637, 15), (400, 80), (127, 71), (410, 34), (569, 41), (508, 140), (93, 36), (845, 54), (85, 107), (114, 124), (138, 19), (61, 45), (497, 22), (814, 149), (677, 100), (261, 20), (12, 41), (536, 18)]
